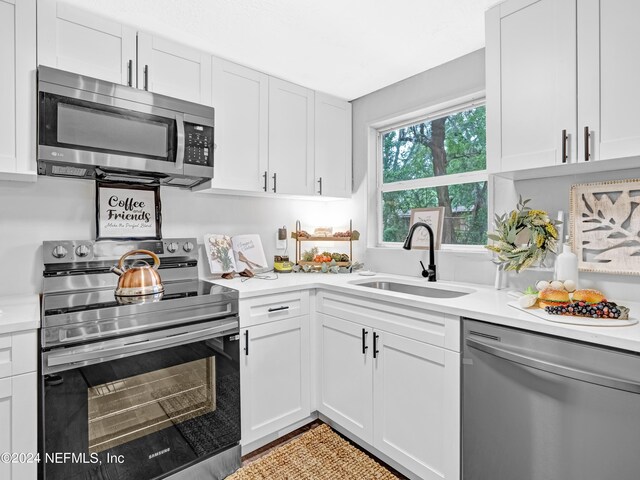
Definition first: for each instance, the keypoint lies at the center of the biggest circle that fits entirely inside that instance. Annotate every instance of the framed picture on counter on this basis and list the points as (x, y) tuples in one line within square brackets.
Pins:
[(127, 212), (434, 217)]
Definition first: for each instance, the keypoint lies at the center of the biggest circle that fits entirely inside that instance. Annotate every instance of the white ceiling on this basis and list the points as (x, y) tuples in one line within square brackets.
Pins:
[(347, 48)]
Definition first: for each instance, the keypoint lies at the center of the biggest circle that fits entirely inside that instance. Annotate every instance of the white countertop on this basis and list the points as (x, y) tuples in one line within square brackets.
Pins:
[(19, 312), (485, 303)]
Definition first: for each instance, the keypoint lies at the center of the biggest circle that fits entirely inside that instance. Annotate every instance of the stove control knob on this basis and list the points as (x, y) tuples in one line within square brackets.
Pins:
[(187, 247), (82, 250), (172, 247), (59, 252)]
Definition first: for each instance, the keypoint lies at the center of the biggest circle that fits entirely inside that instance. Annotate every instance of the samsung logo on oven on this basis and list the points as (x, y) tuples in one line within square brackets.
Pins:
[(157, 454)]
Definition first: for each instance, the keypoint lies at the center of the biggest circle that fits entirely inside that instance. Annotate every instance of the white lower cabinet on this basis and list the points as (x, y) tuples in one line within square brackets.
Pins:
[(275, 373), (416, 405), (346, 375), (18, 417), (399, 395)]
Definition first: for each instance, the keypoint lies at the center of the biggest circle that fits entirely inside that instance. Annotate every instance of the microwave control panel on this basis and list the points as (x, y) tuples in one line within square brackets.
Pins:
[(198, 144)]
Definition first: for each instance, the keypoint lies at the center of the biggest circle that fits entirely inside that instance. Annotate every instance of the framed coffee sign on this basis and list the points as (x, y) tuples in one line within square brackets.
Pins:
[(127, 212)]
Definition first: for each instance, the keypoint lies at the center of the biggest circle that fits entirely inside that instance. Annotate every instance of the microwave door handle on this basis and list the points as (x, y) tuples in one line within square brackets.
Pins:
[(180, 143)]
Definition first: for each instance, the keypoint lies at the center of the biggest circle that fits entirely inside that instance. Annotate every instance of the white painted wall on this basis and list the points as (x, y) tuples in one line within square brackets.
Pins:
[(56, 208), (461, 77), (450, 81)]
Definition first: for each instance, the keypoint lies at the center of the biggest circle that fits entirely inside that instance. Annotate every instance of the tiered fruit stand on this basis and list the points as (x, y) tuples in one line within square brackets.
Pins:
[(311, 239)]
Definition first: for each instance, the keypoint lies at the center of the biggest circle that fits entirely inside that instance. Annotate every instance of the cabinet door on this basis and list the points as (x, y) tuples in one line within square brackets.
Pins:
[(608, 78), (241, 100), (291, 131), (18, 417), (531, 82), (417, 406), (174, 70), (81, 42), (274, 375), (17, 77), (333, 146), (346, 391)]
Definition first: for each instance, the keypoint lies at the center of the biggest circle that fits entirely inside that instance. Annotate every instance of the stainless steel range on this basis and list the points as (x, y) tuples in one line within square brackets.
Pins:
[(140, 390)]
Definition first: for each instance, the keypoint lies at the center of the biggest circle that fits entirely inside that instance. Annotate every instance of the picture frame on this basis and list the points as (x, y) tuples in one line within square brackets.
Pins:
[(605, 224), (434, 217), (127, 211)]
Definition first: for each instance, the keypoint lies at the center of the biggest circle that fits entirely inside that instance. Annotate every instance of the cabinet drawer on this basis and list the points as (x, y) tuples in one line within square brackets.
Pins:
[(18, 353), (428, 326), (254, 311)]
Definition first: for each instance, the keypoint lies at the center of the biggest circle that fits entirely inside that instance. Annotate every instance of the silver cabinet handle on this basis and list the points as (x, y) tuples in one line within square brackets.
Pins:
[(587, 138), (569, 372)]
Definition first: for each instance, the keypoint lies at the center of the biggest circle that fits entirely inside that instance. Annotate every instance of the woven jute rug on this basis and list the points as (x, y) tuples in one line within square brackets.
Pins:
[(319, 454)]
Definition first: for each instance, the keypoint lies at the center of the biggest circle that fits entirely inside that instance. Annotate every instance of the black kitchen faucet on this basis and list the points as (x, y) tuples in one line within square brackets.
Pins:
[(428, 273)]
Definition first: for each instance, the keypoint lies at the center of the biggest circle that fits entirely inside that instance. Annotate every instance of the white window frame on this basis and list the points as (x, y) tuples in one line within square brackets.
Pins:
[(428, 182)]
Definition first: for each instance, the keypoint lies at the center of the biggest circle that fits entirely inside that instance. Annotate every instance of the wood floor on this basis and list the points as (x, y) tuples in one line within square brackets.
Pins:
[(260, 452)]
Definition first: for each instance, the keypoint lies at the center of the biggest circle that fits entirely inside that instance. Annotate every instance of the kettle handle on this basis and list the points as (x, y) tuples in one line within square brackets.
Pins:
[(156, 260)]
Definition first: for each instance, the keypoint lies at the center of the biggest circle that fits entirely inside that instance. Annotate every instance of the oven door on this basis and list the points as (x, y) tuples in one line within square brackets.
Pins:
[(115, 134), (140, 407)]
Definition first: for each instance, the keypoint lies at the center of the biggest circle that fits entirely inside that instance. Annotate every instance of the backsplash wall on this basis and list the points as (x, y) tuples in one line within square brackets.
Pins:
[(56, 208)]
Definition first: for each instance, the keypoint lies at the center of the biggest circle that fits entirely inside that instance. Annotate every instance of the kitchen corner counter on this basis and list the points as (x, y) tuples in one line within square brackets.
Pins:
[(19, 312), (485, 304)]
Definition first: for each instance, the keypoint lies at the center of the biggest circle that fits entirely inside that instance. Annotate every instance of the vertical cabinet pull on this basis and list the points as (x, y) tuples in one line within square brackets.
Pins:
[(375, 345), (587, 138), (146, 77), (364, 341), (264, 176), (246, 342), (130, 73), (320, 186), (564, 146), (274, 182)]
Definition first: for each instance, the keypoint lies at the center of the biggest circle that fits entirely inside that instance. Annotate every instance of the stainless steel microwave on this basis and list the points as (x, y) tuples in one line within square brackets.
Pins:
[(93, 129)]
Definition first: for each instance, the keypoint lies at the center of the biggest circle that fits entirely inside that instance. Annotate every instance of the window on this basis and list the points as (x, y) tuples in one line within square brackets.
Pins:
[(437, 161)]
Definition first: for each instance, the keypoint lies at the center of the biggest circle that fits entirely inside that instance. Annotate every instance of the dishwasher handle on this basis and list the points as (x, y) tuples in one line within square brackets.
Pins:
[(564, 371)]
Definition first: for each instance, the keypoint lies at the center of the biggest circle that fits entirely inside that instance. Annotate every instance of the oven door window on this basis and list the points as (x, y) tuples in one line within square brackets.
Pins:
[(82, 125), (143, 416)]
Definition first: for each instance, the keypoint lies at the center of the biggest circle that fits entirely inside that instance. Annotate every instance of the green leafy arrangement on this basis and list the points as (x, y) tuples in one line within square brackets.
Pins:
[(542, 238)]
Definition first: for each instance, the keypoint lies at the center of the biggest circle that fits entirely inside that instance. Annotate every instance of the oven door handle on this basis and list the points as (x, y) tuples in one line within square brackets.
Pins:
[(128, 346)]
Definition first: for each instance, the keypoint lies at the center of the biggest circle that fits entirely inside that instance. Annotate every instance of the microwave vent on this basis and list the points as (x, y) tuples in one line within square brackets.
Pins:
[(181, 182), (68, 171)]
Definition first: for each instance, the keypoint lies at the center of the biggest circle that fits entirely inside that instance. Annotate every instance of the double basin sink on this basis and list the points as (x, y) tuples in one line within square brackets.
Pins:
[(417, 290)]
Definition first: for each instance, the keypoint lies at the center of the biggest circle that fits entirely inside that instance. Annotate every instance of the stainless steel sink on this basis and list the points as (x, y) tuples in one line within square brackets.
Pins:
[(418, 290)]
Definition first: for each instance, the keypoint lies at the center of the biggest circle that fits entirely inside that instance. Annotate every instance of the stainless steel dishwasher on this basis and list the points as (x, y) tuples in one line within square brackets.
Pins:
[(537, 407)]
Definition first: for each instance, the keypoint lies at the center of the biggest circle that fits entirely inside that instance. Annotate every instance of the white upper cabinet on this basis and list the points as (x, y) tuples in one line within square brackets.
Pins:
[(84, 43), (531, 83), (174, 70), (291, 138), (241, 100), (562, 82), (332, 146), (78, 41), (608, 79), (17, 97)]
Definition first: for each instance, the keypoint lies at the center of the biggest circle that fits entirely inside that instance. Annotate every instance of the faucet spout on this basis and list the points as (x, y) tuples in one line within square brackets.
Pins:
[(430, 272)]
